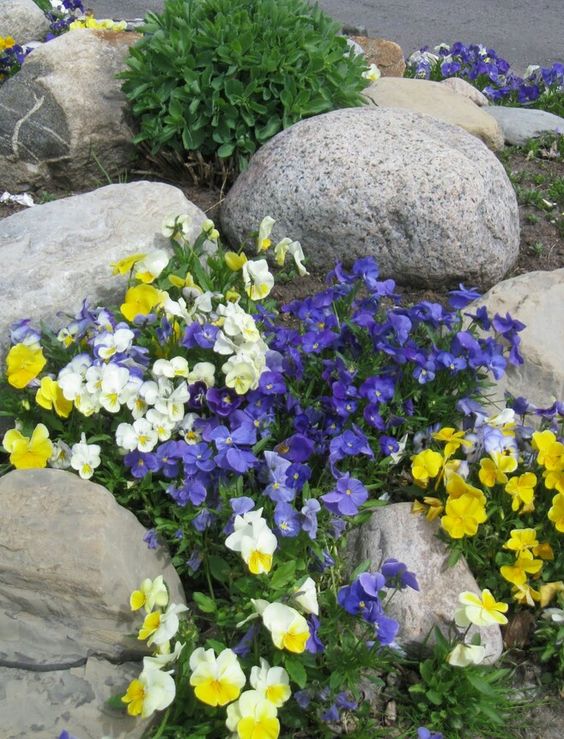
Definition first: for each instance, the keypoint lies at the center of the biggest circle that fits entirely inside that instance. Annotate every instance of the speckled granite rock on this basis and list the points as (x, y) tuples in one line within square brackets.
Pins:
[(387, 55), (55, 255), (439, 101), (521, 124), (393, 532), (460, 86), (23, 20), (425, 198)]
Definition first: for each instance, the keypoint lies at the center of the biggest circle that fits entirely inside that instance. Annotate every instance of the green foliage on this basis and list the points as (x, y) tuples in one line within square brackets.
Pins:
[(461, 702), (212, 80)]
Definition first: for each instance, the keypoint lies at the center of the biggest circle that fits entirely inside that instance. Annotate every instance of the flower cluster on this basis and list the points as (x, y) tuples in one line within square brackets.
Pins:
[(491, 74), (504, 478), (12, 57), (62, 14)]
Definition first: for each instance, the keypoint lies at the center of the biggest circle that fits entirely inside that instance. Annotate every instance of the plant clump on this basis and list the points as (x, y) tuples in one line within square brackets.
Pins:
[(212, 80)]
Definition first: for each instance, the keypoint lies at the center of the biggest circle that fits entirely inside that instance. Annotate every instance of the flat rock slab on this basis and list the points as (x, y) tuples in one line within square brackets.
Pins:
[(394, 532), (23, 20), (521, 124), (40, 705), (537, 300), (70, 557), (426, 199), (439, 101), (55, 255)]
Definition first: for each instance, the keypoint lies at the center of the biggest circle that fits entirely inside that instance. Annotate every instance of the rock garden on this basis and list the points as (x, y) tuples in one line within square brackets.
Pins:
[(281, 393)]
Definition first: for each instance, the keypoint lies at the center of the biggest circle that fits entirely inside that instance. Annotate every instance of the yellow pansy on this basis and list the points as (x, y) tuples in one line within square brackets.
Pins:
[(525, 594), (553, 457), (50, 396), (454, 439), (542, 440), (235, 261), (6, 42), (125, 265), (523, 565), (521, 488), (556, 512), (187, 281), (426, 465), (521, 539), (549, 590), (23, 364), (216, 680), (151, 593), (554, 480), (463, 516), (456, 487), (494, 470), (140, 301), (481, 610), (544, 551), (253, 717), (28, 453)]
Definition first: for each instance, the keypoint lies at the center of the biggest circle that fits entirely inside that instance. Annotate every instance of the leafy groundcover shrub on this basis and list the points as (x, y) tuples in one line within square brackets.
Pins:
[(250, 439), (212, 80)]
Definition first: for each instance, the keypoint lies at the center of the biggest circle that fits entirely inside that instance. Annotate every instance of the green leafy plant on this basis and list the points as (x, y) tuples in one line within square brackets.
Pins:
[(212, 80)]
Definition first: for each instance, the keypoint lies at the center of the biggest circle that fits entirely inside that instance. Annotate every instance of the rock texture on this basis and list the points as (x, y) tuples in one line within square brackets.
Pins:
[(426, 199), (521, 124), (23, 20), (64, 121), (70, 557), (387, 55), (395, 532), (465, 88), (437, 100), (537, 300), (55, 255)]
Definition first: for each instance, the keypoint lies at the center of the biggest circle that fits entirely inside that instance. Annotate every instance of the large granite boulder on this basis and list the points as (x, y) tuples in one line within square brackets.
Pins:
[(64, 121), (55, 255), (70, 558), (521, 124), (22, 20), (430, 202), (439, 101), (394, 532), (460, 86), (537, 300)]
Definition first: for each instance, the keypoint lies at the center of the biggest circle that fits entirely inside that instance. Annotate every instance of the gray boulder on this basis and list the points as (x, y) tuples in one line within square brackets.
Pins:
[(23, 20), (537, 300), (429, 201), (394, 532), (55, 255), (71, 557), (64, 121), (521, 124)]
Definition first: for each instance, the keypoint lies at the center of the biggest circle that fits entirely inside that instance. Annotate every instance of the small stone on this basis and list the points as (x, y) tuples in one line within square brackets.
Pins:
[(386, 55), (394, 532), (537, 300), (23, 20), (437, 100), (521, 124)]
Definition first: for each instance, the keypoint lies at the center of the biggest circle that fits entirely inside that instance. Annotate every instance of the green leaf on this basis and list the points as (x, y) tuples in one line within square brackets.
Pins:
[(296, 671), (204, 602), (284, 574), (225, 150), (435, 697), (481, 685), (219, 569), (116, 703)]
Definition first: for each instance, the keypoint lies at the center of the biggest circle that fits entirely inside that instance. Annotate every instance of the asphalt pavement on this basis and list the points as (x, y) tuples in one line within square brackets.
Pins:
[(521, 31)]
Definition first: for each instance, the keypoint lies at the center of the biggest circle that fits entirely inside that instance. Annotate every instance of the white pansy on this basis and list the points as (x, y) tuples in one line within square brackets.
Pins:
[(151, 593), (265, 229), (150, 267), (466, 654), (176, 226), (114, 381), (161, 423), (175, 367), (140, 435), (202, 372), (172, 404), (372, 74), (108, 344), (168, 624), (87, 403), (257, 713), (187, 430), (297, 253), (85, 458), (257, 279), (273, 683), (60, 456), (254, 541), (162, 660), (224, 345), (71, 378), (306, 597), (288, 628), (159, 690), (241, 374)]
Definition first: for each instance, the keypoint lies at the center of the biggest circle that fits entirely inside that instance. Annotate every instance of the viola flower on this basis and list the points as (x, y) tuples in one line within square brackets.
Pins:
[(287, 520), (265, 229), (23, 364), (454, 439), (464, 655), (525, 564), (140, 301), (309, 517), (253, 716), (306, 597), (456, 486), (425, 466), (521, 490), (159, 628), (50, 396), (494, 470), (257, 279), (521, 540), (555, 513), (272, 683), (480, 611), (288, 628), (85, 458), (463, 516), (398, 576), (254, 541), (28, 453), (362, 597), (151, 593), (216, 680), (347, 497), (154, 690)]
